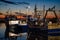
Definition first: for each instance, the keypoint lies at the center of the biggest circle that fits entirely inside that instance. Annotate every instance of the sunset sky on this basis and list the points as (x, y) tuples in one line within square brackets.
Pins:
[(22, 7)]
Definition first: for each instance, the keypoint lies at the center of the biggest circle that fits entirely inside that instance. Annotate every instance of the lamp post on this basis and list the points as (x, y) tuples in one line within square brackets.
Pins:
[(27, 11), (27, 8)]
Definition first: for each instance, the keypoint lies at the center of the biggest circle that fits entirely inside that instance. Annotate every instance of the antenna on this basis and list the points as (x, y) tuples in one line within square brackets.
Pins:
[(43, 10)]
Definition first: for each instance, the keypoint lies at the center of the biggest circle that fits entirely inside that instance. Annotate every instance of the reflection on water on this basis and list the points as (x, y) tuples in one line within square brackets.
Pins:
[(2, 29), (2, 32)]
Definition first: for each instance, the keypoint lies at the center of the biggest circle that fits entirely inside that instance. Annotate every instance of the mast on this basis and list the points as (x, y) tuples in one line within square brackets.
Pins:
[(35, 11), (43, 10), (8, 11)]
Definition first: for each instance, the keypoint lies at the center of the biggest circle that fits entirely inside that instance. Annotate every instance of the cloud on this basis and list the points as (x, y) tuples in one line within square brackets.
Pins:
[(9, 2), (15, 3), (23, 3)]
